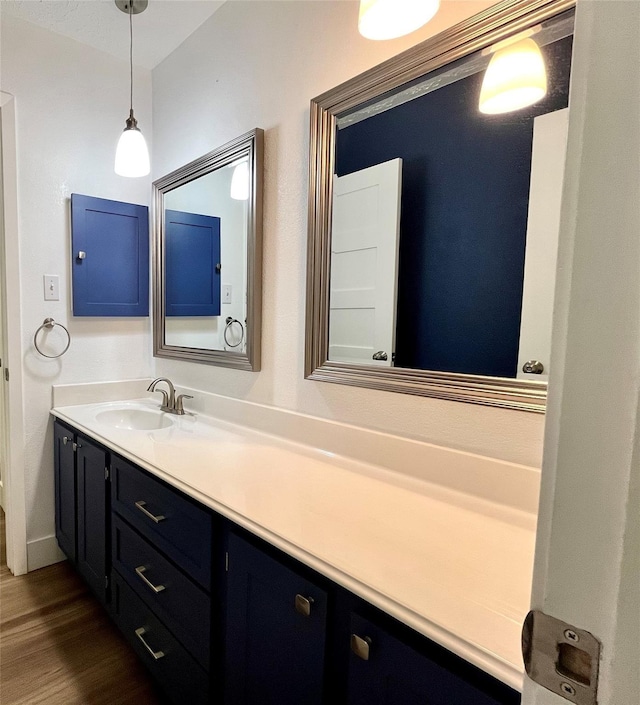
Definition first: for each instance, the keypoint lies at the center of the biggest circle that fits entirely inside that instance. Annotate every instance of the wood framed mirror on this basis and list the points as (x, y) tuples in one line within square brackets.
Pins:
[(433, 225), (208, 257)]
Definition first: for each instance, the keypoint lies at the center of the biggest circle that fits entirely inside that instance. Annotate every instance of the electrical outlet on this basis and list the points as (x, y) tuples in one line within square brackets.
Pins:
[(226, 293), (51, 287)]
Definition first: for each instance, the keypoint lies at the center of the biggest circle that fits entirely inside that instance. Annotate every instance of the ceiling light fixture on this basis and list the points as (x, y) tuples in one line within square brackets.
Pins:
[(132, 155), (515, 78), (388, 19)]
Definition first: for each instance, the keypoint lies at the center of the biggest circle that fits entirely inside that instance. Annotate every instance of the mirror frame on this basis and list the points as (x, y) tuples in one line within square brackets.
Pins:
[(252, 143), (474, 34)]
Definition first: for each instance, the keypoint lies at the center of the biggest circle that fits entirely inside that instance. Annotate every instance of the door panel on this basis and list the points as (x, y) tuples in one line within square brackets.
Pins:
[(364, 264), (192, 275), (111, 276), (92, 515), (275, 654), (65, 490), (395, 674)]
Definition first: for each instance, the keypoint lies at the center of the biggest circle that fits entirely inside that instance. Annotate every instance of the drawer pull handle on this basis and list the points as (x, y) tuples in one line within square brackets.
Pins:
[(360, 646), (303, 605), (140, 570), (141, 506), (157, 655)]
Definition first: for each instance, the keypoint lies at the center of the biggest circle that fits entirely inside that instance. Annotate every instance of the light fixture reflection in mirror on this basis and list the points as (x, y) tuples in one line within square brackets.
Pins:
[(515, 78), (240, 181), (468, 298), (388, 19)]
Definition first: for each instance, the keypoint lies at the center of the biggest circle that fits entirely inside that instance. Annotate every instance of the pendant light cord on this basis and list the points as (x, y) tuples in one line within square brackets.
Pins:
[(131, 53)]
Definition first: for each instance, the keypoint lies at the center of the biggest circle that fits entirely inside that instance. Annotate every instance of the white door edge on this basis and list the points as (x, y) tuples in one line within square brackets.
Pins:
[(14, 480)]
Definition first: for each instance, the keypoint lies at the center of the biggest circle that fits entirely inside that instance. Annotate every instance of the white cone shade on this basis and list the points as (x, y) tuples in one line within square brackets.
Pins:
[(387, 19), (516, 77), (132, 155), (240, 182)]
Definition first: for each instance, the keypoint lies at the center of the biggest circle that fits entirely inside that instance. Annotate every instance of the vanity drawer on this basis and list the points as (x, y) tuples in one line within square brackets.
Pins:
[(179, 527), (179, 603), (179, 675)]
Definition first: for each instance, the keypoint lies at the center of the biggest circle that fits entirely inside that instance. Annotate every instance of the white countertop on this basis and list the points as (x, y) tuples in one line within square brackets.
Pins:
[(455, 569)]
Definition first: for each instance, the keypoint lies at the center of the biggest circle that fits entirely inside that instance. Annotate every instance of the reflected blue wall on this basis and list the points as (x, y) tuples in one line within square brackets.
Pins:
[(463, 226)]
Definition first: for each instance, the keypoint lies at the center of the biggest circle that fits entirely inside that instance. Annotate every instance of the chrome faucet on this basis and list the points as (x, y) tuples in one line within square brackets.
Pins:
[(170, 403)]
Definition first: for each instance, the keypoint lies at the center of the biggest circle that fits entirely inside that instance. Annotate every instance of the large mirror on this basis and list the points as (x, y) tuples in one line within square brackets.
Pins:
[(434, 213), (208, 254)]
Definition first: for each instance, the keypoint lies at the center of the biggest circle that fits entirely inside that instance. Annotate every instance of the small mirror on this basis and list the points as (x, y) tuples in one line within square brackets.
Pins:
[(208, 254), (434, 215)]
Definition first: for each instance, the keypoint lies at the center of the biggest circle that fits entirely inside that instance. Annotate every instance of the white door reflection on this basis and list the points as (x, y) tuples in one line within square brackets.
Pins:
[(364, 264)]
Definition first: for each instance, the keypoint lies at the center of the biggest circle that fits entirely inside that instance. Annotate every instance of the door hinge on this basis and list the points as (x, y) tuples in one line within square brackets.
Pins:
[(561, 657), (6, 374), (106, 582), (226, 561), (106, 473)]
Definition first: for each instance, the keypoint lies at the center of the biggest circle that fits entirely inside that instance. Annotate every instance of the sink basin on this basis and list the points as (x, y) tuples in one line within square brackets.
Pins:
[(135, 419)]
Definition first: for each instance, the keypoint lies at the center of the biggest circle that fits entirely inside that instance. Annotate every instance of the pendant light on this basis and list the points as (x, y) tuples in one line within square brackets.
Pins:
[(515, 78), (132, 155), (388, 19)]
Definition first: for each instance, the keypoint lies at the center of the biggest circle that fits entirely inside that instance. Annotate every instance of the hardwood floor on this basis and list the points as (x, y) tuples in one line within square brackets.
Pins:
[(58, 646)]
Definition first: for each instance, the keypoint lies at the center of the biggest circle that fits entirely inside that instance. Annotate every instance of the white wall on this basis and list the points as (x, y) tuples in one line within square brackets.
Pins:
[(71, 103), (258, 64)]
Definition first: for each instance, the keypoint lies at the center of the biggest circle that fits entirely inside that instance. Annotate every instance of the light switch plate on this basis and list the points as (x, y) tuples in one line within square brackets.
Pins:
[(226, 293), (51, 287)]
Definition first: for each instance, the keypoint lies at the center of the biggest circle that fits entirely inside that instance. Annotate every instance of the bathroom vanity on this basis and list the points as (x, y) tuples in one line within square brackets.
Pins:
[(243, 568)]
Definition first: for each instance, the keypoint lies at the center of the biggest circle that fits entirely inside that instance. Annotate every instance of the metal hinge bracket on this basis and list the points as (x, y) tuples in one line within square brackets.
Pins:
[(106, 582), (106, 472), (561, 657), (226, 561), (6, 374)]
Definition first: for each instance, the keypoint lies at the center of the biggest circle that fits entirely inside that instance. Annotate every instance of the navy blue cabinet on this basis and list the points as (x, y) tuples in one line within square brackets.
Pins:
[(386, 671), (275, 635), (180, 677), (161, 553), (252, 627), (110, 268), (81, 500)]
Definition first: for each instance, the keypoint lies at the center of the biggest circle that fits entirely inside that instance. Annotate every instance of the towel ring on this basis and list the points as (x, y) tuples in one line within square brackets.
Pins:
[(230, 321), (49, 323)]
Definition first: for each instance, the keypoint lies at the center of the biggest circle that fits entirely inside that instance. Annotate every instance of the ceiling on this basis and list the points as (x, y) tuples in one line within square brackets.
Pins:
[(160, 29)]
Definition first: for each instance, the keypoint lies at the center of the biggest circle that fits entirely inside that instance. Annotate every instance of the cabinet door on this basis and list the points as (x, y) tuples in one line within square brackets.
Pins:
[(92, 515), (275, 632), (110, 267), (385, 671), (65, 490)]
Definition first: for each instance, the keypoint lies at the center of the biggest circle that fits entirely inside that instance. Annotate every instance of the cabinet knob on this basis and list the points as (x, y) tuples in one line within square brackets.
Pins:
[(360, 646), (303, 605), (65, 440), (81, 255)]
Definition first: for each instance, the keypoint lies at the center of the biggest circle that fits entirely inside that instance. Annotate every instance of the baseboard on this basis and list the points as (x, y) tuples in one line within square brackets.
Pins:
[(43, 552)]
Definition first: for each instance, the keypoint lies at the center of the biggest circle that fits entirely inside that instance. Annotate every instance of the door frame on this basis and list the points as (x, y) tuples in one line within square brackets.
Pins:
[(13, 448), (587, 558)]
